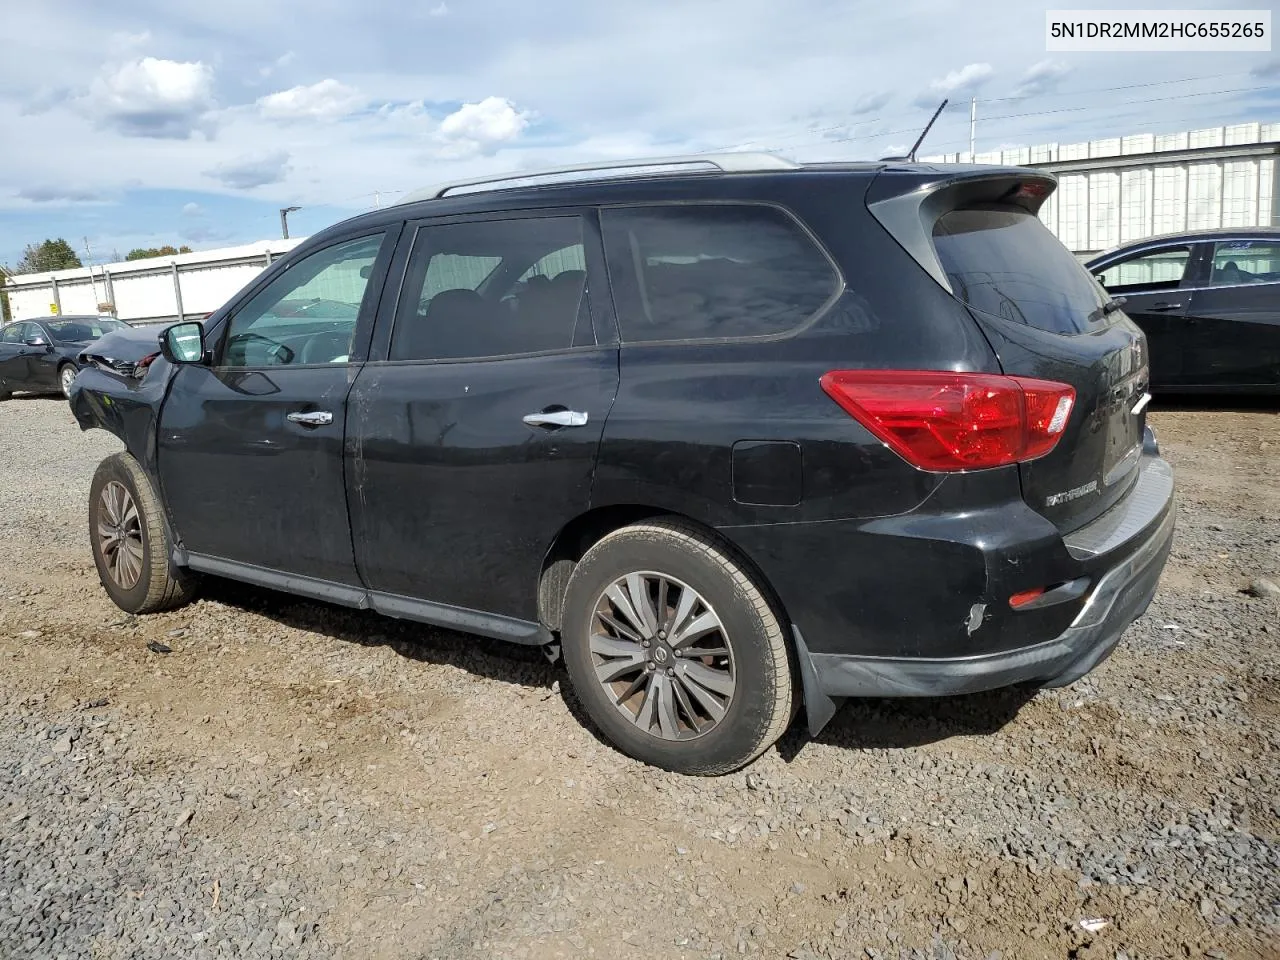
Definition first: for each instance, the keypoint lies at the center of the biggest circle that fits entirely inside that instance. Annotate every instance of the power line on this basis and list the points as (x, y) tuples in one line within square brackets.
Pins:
[(1127, 86), (1038, 113), (958, 105)]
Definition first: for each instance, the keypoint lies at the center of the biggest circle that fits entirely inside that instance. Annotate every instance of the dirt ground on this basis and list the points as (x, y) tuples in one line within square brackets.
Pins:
[(299, 780)]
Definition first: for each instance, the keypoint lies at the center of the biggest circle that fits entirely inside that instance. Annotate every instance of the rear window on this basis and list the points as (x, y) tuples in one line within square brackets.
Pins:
[(701, 271), (1006, 263)]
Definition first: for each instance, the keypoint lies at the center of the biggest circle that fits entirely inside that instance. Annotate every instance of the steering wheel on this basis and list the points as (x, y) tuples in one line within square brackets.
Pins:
[(324, 347), (276, 351)]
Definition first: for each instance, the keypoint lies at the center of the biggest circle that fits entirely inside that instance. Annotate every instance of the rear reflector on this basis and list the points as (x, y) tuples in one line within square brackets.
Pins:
[(1025, 597), (943, 421)]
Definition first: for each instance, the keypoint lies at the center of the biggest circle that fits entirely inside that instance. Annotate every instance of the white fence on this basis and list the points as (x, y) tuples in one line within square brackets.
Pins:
[(142, 291)]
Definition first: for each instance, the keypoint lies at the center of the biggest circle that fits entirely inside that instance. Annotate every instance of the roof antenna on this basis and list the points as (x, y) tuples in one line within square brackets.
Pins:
[(925, 132)]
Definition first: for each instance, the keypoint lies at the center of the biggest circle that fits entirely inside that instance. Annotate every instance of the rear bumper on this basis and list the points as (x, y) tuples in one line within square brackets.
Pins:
[(1120, 597)]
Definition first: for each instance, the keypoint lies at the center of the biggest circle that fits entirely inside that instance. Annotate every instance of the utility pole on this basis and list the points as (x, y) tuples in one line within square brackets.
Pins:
[(973, 126), (93, 284), (284, 220)]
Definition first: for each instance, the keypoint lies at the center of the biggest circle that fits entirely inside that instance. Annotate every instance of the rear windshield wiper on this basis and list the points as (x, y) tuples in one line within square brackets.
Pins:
[(1111, 306)]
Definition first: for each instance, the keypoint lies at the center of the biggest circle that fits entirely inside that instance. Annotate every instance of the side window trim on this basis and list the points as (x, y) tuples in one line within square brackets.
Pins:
[(364, 318), (599, 302), (839, 287)]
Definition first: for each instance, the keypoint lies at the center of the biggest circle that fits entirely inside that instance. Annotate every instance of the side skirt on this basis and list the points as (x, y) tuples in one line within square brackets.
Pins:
[(461, 619)]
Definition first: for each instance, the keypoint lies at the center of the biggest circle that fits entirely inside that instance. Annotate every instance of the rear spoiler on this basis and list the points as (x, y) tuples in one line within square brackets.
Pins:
[(909, 201)]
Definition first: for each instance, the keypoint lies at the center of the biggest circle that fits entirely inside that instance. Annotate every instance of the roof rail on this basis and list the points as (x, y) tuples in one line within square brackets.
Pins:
[(723, 162)]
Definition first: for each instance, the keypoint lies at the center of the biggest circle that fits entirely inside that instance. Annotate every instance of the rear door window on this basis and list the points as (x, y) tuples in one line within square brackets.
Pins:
[(493, 288), (712, 271), (1160, 269), (1239, 262), (1006, 263)]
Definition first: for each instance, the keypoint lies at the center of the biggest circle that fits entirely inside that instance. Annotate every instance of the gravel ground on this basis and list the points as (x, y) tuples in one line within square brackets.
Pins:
[(293, 780)]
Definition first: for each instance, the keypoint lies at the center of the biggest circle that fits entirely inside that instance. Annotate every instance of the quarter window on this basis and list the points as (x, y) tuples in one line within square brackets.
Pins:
[(308, 313), (1161, 269), (493, 288), (693, 272), (1245, 261)]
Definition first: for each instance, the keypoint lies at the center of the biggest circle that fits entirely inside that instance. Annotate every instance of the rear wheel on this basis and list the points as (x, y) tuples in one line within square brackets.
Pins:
[(674, 652), (131, 542), (66, 376)]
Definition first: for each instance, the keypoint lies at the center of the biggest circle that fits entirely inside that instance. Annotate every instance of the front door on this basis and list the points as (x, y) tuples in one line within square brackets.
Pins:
[(13, 356), (251, 446), (1151, 282), (474, 433)]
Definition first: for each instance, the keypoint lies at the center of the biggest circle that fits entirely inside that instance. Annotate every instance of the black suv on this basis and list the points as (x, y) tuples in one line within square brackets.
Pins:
[(731, 434)]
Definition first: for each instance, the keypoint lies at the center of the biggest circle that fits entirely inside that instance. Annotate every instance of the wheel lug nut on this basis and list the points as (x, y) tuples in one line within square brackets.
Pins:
[(645, 644), (671, 672), (662, 634)]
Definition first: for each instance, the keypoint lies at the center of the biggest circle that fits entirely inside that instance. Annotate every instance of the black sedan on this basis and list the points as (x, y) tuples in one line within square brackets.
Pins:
[(1209, 304), (42, 355)]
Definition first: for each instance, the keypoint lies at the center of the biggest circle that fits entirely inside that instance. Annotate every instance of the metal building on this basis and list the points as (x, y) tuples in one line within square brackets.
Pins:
[(1126, 188)]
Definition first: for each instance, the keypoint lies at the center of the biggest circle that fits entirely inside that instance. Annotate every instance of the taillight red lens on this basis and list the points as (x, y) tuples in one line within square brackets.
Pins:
[(944, 421)]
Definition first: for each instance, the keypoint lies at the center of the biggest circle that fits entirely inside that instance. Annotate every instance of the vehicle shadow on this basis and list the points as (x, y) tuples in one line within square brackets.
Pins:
[(905, 722), (1213, 403), (880, 724), (481, 656)]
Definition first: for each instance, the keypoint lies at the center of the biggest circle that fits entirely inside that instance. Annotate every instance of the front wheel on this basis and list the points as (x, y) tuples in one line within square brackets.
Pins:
[(67, 376), (131, 542), (674, 652)]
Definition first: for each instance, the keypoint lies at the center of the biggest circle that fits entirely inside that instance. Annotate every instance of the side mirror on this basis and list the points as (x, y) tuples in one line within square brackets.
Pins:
[(183, 343), (36, 341)]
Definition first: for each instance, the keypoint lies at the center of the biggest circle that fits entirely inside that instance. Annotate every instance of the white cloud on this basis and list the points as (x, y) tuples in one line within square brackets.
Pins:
[(441, 9), (165, 99), (326, 100), (1041, 78), (279, 63), (969, 77), (254, 170), (192, 210), (479, 127)]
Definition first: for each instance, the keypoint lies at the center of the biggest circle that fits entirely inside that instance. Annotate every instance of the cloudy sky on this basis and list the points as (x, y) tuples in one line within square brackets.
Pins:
[(144, 122)]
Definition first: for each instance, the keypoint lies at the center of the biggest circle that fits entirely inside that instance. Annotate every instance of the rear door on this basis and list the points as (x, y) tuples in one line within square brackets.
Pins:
[(1233, 318), (474, 428), (1153, 283)]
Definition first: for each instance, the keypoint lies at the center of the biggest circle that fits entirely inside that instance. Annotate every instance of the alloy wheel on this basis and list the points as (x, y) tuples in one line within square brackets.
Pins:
[(663, 655), (66, 378), (120, 535)]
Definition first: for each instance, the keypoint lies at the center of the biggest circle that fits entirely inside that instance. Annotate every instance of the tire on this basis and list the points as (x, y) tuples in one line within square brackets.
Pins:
[(756, 672), (136, 573), (66, 373)]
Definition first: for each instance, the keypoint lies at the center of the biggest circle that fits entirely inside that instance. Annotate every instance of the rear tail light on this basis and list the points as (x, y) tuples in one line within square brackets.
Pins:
[(944, 421)]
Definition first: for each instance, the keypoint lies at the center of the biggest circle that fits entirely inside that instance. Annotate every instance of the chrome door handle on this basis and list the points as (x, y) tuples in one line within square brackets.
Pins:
[(315, 418), (1162, 307), (556, 418)]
